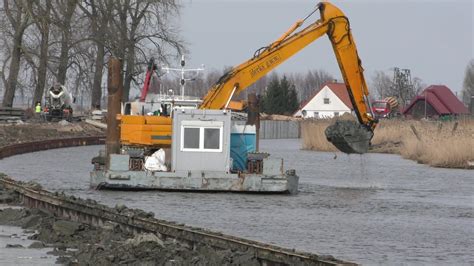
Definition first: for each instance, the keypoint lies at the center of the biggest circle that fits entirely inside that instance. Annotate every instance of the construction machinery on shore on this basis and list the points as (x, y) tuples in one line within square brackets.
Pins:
[(386, 108), (58, 104)]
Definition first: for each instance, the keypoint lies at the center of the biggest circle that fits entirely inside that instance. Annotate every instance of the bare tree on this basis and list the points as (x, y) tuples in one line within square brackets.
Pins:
[(63, 16), (418, 86), (468, 87), (382, 84), (99, 13), (27, 80), (71, 40), (141, 24), (307, 84), (41, 14), (258, 88), (19, 20)]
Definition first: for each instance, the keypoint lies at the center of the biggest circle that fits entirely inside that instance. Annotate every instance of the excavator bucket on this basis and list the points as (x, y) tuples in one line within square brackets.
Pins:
[(349, 136)]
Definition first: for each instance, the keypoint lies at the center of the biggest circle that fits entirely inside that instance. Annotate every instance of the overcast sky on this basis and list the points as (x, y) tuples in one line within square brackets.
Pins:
[(434, 39)]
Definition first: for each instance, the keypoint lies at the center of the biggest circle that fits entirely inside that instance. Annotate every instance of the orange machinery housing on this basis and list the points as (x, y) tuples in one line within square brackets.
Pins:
[(145, 130)]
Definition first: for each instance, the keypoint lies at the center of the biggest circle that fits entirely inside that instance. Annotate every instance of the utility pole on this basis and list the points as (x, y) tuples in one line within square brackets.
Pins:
[(403, 85), (182, 71), (426, 99), (471, 105)]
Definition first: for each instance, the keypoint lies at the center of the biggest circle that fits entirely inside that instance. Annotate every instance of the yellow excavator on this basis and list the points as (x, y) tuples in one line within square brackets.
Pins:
[(347, 136)]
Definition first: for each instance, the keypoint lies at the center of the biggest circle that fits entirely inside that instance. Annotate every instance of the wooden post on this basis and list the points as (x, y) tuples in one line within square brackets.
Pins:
[(415, 132), (440, 127), (114, 99), (455, 126), (253, 116)]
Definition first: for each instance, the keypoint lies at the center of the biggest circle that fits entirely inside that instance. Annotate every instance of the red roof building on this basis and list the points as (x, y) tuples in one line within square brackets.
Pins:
[(435, 101), (332, 99)]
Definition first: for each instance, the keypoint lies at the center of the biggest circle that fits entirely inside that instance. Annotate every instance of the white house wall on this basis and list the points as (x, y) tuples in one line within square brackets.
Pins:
[(316, 104)]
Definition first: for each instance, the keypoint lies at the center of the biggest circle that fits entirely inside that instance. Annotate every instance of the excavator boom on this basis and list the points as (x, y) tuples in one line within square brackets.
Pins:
[(347, 137)]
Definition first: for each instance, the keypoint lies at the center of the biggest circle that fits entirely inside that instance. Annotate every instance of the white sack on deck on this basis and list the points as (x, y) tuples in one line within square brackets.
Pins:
[(156, 162)]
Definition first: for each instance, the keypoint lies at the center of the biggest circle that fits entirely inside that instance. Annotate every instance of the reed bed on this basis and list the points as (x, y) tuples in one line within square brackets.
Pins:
[(439, 144), (313, 137)]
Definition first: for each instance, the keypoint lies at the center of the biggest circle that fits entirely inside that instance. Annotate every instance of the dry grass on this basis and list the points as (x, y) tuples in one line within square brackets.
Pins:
[(438, 145), (312, 133), (313, 137)]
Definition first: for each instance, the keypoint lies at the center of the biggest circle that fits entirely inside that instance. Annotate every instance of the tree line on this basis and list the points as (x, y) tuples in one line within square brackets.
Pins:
[(279, 93), (70, 41), (274, 89)]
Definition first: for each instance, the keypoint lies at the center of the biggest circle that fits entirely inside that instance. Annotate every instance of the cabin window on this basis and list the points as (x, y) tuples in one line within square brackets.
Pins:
[(326, 100), (206, 137), (212, 138), (191, 138), (316, 114), (336, 113)]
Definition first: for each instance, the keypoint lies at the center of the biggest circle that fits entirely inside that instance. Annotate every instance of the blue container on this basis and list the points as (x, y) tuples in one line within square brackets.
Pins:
[(243, 140)]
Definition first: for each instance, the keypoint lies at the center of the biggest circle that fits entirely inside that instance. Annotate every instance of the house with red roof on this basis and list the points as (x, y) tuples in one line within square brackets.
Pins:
[(331, 100), (435, 101)]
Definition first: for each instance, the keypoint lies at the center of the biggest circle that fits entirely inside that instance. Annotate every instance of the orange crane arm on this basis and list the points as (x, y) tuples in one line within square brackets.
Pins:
[(333, 23)]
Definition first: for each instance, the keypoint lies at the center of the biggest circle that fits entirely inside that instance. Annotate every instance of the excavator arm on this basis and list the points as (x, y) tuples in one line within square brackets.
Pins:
[(336, 25)]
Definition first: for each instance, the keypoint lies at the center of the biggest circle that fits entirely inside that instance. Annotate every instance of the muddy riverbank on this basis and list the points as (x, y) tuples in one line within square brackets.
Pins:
[(35, 131), (11, 238), (83, 244)]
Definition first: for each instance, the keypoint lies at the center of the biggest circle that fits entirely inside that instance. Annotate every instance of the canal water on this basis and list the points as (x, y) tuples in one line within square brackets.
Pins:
[(371, 209), (21, 255)]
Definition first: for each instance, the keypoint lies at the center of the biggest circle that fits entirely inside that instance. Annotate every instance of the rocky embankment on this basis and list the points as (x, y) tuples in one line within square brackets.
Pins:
[(81, 244), (35, 131)]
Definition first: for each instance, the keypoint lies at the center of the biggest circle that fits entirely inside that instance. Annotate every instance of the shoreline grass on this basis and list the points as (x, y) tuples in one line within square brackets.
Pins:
[(440, 144)]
